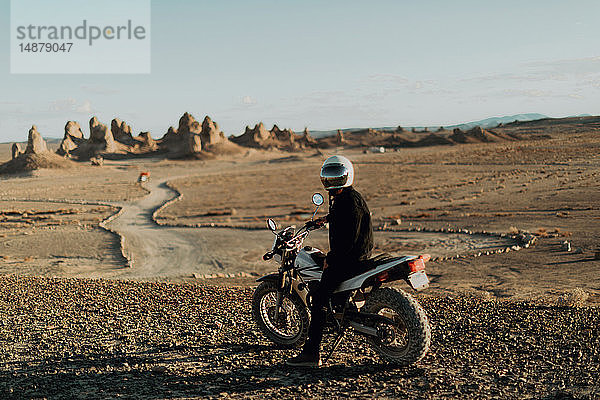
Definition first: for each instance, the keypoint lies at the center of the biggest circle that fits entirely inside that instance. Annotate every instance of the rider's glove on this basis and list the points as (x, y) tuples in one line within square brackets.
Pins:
[(317, 223)]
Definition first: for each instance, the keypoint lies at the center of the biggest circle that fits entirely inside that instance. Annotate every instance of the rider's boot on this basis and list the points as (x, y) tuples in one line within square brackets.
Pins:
[(305, 359)]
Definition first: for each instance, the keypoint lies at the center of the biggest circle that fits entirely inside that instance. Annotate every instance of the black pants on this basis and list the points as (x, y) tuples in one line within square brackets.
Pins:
[(330, 280)]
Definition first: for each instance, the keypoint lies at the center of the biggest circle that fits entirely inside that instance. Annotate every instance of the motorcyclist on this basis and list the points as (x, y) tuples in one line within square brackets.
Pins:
[(350, 242)]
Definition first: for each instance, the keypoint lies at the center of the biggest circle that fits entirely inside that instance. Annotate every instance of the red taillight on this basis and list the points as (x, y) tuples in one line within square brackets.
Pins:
[(419, 263), (383, 276)]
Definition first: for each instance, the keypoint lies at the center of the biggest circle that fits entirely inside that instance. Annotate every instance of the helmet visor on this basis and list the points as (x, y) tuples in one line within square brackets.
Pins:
[(333, 176)]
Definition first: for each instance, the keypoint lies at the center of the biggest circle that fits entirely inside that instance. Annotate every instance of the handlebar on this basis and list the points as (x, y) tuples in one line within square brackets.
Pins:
[(297, 238), (312, 225), (302, 232)]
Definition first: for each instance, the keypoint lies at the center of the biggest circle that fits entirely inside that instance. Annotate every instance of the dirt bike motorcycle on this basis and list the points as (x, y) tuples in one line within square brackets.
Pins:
[(392, 321)]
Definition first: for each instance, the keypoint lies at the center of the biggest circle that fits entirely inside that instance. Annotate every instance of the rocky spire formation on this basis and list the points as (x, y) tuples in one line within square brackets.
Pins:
[(101, 136), (35, 143), (16, 150)]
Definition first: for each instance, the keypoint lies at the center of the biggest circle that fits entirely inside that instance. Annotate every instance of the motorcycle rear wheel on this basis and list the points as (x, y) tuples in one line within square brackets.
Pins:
[(290, 329), (407, 340)]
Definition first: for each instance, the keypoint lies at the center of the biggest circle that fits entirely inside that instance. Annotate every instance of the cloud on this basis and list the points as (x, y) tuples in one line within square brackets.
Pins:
[(62, 105), (517, 77), (388, 78), (527, 93), (97, 89), (84, 108), (591, 82), (248, 100), (540, 71), (70, 105), (575, 66)]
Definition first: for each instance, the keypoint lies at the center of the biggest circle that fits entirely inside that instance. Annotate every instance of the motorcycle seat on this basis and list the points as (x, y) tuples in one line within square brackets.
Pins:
[(363, 266), (374, 262)]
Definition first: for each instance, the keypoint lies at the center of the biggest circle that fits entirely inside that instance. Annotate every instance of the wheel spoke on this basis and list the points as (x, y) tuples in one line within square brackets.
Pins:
[(393, 338), (287, 325)]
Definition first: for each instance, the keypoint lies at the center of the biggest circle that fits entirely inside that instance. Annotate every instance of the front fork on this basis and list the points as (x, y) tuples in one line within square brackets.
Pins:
[(284, 287), (280, 293), (287, 286)]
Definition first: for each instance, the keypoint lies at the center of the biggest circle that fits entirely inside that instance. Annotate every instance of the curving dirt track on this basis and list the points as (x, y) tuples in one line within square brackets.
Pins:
[(162, 251), (158, 251)]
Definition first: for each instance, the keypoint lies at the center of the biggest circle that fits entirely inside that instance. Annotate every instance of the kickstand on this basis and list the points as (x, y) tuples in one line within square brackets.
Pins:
[(336, 343)]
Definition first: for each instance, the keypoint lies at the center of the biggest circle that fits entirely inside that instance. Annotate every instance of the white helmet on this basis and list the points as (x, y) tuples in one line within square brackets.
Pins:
[(337, 172)]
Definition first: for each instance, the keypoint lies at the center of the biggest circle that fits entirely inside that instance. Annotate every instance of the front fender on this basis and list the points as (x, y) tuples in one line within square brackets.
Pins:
[(273, 277)]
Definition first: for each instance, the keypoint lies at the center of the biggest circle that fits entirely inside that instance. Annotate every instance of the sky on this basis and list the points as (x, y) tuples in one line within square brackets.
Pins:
[(327, 65)]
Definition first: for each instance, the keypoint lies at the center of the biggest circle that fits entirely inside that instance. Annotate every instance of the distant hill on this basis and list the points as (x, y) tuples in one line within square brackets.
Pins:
[(491, 122)]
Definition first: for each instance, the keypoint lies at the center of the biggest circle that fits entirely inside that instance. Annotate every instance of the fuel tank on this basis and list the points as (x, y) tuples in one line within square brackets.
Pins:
[(309, 263)]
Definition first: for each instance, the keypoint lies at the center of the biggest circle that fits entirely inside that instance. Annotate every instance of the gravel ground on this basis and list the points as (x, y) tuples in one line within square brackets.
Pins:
[(76, 338)]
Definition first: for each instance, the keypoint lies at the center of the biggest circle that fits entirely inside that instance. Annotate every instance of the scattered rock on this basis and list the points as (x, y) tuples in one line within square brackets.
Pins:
[(159, 369), (574, 298), (97, 161)]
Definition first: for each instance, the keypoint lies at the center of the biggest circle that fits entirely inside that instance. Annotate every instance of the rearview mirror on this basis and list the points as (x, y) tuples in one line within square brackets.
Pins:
[(272, 225), (318, 199)]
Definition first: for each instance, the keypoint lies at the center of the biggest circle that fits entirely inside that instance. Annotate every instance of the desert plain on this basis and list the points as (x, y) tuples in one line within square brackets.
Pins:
[(112, 288)]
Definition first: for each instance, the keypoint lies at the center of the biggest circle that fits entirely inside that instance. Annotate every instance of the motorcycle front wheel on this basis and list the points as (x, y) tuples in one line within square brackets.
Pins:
[(406, 339), (290, 328)]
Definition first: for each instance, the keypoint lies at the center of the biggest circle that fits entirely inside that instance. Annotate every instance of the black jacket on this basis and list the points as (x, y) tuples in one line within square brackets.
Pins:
[(350, 230)]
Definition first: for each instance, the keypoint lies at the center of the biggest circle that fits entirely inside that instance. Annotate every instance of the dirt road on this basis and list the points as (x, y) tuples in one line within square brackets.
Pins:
[(162, 251), (157, 251)]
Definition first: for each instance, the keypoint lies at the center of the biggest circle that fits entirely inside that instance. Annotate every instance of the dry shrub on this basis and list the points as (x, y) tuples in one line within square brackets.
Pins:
[(556, 232), (421, 215), (573, 298), (416, 215), (559, 232), (513, 230), (474, 214)]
